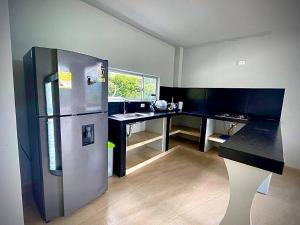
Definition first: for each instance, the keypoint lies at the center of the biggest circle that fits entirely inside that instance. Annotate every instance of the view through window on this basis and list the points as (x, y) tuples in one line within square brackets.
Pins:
[(132, 86)]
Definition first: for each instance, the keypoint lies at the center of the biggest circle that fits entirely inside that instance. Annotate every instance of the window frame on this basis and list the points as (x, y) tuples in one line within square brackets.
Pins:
[(142, 75)]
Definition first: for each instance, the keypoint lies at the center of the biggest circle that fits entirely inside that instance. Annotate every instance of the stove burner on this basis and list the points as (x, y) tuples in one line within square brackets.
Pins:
[(233, 116)]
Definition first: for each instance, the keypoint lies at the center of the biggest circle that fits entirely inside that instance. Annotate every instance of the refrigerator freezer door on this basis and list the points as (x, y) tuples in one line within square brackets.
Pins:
[(84, 166), (82, 83)]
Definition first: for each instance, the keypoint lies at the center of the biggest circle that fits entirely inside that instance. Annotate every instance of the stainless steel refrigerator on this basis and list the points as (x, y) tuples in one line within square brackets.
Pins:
[(67, 119)]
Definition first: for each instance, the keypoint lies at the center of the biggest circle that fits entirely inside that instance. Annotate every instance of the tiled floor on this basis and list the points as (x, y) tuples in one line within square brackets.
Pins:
[(185, 187)]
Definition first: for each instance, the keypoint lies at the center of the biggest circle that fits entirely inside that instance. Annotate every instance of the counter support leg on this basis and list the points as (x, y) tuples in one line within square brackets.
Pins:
[(202, 134), (244, 181), (117, 135)]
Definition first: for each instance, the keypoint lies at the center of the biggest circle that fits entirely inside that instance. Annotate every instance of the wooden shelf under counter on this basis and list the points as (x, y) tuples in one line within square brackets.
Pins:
[(143, 156), (142, 138), (179, 141), (216, 138), (184, 130), (139, 155)]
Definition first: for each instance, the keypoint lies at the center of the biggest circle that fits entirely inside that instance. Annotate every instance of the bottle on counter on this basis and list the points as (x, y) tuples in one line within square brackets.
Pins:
[(172, 105)]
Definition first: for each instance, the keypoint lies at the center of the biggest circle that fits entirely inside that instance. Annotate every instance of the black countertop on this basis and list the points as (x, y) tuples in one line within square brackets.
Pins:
[(258, 144), (156, 115), (150, 116)]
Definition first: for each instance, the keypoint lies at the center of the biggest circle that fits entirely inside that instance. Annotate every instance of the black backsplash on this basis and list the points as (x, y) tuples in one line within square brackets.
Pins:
[(257, 102), (118, 107), (115, 108)]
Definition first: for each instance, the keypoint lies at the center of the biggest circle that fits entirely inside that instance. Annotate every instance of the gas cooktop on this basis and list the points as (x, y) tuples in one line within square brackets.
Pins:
[(233, 116)]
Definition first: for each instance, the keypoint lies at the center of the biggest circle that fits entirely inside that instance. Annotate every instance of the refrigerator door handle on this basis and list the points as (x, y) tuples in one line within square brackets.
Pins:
[(53, 125), (52, 94), (54, 147)]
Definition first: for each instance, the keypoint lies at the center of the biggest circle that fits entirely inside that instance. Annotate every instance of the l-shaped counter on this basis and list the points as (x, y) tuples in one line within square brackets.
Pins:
[(251, 155), (258, 144)]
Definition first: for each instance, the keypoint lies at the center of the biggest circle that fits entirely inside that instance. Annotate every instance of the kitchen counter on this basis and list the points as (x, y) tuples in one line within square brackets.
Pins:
[(258, 144), (152, 116), (149, 116), (156, 115)]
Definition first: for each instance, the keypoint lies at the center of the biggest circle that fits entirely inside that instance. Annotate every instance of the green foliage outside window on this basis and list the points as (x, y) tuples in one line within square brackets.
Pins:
[(130, 86), (149, 87)]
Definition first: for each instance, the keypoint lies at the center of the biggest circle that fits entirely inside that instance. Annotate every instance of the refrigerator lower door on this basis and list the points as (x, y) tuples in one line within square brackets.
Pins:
[(84, 159)]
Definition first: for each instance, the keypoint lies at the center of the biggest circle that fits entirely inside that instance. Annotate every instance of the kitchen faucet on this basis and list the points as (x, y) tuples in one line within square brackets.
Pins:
[(124, 105)]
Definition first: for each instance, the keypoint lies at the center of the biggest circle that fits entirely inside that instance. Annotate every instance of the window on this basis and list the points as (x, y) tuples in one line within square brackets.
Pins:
[(130, 85)]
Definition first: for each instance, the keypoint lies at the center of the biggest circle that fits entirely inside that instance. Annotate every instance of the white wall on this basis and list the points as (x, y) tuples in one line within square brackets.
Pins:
[(11, 211), (76, 26), (178, 60), (272, 61)]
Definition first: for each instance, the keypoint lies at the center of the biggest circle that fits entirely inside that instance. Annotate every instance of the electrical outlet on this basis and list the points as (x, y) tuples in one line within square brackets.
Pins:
[(241, 62)]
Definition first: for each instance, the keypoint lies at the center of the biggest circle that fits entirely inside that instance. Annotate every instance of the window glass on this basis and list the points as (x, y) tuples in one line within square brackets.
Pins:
[(150, 85), (132, 86), (124, 85)]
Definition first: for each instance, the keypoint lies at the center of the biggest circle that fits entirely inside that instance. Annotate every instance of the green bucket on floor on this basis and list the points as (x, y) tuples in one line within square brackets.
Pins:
[(110, 156)]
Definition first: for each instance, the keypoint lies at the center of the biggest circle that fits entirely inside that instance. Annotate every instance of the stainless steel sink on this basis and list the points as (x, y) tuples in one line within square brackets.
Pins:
[(131, 115), (145, 114)]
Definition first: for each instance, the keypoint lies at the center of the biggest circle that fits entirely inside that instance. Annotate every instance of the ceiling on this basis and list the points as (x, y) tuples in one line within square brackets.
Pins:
[(194, 22)]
